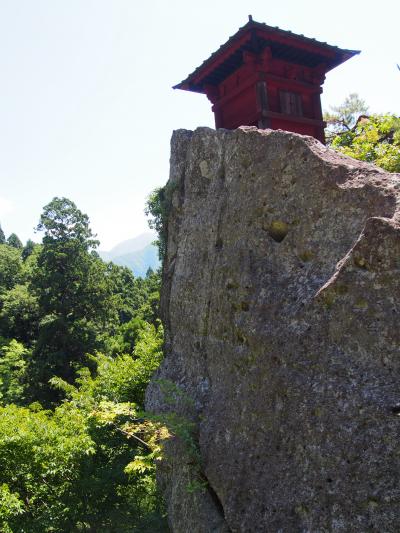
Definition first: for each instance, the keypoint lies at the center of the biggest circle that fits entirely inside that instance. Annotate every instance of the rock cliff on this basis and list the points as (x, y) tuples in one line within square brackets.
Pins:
[(281, 302)]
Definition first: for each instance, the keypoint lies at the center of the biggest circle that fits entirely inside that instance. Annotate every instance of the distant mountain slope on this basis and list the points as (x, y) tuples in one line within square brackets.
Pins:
[(140, 261), (138, 254), (133, 245)]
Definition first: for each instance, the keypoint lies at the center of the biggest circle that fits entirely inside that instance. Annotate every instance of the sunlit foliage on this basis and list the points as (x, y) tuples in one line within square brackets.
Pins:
[(373, 138), (79, 342)]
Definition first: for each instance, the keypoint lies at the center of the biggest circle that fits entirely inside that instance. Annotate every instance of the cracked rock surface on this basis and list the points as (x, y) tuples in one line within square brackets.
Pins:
[(281, 305)]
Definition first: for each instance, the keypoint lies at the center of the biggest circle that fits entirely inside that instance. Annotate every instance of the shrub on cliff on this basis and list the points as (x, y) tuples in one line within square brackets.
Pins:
[(372, 138)]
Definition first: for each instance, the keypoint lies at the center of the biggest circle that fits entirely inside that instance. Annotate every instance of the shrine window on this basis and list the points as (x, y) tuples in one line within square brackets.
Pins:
[(291, 103)]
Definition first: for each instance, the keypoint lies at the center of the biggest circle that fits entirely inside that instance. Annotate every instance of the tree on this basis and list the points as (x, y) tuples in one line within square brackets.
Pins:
[(63, 222), (42, 455), (76, 303), (343, 117), (158, 207), (19, 314), (10, 267), (2, 236), (66, 270), (28, 249), (14, 241), (374, 138), (83, 337), (88, 464), (13, 379), (149, 310), (18, 304), (124, 288)]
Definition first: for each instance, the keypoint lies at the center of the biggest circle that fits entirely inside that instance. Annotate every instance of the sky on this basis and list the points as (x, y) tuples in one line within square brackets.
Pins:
[(87, 107)]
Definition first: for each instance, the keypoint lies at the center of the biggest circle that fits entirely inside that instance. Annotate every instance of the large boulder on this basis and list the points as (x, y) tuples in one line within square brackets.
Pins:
[(281, 302)]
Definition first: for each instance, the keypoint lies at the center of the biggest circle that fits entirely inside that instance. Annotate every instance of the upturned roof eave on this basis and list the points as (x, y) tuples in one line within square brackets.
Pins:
[(187, 83)]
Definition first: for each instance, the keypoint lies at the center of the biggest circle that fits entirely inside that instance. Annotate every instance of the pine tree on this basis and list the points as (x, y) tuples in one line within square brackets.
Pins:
[(14, 241)]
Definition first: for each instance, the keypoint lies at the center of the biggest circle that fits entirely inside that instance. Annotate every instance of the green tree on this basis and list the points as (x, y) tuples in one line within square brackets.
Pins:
[(2, 236), (124, 288), (344, 117), (63, 222), (14, 241), (13, 378), (88, 465), (374, 138), (65, 267), (10, 267), (19, 314), (28, 249), (125, 338), (76, 303), (158, 206), (150, 309), (11, 507), (41, 455)]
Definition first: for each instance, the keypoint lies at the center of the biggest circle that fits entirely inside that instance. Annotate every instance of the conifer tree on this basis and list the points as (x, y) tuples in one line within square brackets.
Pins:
[(14, 241)]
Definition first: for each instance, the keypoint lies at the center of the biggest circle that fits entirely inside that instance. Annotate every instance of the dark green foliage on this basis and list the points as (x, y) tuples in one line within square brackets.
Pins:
[(126, 336), (63, 222), (19, 314), (123, 285), (14, 241), (63, 301), (2, 236), (75, 294), (28, 249), (86, 464), (10, 267), (149, 290), (157, 209)]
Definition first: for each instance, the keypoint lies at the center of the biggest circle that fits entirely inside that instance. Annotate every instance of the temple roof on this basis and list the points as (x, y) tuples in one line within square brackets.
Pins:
[(254, 37)]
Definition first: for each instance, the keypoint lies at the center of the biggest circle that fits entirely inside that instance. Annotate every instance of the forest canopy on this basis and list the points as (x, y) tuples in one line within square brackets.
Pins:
[(79, 341)]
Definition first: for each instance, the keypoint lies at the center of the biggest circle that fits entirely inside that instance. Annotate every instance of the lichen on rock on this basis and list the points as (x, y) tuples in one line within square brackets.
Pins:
[(281, 302)]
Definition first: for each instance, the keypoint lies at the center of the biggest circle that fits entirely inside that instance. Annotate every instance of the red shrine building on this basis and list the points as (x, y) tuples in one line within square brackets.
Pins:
[(269, 78)]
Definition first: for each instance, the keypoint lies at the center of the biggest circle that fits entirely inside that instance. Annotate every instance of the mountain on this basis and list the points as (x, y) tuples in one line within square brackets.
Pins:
[(138, 254), (140, 261)]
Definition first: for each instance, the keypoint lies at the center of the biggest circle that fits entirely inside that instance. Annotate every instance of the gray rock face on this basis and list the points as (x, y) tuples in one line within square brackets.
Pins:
[(281, 305)]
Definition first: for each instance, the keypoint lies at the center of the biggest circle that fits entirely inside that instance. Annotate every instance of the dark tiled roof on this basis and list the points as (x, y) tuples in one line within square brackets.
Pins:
[(289, 53)]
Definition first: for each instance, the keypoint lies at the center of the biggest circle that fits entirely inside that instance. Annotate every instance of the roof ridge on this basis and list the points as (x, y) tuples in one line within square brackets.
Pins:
[(250, 24)]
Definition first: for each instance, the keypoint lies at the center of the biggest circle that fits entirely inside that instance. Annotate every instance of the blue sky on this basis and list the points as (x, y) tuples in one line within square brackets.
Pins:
[(86, 105)]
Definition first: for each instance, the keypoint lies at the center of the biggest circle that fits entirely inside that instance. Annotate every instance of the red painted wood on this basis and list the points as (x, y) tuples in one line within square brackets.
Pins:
[(263, 86)]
